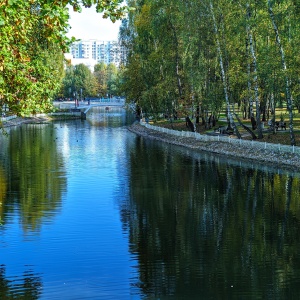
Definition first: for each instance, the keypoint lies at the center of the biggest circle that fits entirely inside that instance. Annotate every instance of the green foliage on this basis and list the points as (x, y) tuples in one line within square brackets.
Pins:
[(100, 73), (33, 39), (112, 73), (108, 78), (154, 69), (174, 54), (79, 81), (84, 81)]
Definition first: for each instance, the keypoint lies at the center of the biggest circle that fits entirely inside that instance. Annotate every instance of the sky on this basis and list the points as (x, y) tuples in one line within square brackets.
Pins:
[(90, 25)]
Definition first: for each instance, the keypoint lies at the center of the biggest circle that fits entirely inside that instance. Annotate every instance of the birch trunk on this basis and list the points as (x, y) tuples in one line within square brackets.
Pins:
[(289, 101), (254, 62), (179, 84), (249, 86), (229, 113)]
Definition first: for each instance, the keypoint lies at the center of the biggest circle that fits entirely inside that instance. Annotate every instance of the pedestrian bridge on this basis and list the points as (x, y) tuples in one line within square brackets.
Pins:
[(85, 106), (107, 102)]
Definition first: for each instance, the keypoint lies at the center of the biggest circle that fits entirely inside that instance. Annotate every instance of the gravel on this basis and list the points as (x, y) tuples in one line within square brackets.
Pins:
[(19, 121), (277, 159)]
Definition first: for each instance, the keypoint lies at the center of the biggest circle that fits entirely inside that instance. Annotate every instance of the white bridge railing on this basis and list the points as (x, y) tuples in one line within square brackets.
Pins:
[(226, 139)]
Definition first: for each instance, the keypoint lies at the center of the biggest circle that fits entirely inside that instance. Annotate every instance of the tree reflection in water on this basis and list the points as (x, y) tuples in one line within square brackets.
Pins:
[(201, 227), (36, 177), (25, 287), (3, 189)]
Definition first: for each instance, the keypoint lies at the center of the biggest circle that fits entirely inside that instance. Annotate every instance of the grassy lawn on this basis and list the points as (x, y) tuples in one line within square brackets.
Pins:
[(280, 137)]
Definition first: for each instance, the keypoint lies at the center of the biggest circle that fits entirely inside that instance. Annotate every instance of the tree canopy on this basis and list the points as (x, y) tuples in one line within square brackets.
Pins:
[(189, 55), (80, 82), (33, 39)]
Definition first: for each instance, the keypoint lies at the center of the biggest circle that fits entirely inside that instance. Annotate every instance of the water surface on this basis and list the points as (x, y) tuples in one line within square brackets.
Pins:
[(92, 211)]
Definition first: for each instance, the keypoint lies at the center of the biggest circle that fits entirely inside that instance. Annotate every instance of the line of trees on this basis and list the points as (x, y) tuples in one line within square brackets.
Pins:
[(80, 81), (204, 54), (32, 42)]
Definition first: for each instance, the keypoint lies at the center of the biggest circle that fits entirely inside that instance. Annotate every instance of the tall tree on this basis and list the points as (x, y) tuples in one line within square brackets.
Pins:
[(211, 54), (229, 113), (255, 76), (100, 73), (79, 82), (112, 74), (30, 30), (289, 100)]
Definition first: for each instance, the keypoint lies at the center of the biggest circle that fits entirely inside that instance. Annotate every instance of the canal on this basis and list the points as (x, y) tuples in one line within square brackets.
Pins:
[(89, 210)]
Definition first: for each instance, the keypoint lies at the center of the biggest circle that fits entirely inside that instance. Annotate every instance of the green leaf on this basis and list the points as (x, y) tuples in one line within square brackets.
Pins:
[(2, 21)]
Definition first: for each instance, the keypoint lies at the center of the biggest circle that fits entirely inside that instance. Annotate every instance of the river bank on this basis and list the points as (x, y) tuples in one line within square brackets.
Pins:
[(273, 158), (38, 119), (20, 120)]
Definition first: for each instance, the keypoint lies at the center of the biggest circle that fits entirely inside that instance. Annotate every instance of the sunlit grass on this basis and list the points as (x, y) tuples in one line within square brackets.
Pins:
[(281, 137)]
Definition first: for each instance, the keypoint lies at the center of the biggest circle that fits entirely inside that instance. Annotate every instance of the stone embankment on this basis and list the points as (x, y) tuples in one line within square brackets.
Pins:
[(19, 121), (265, 156), (38, 119)]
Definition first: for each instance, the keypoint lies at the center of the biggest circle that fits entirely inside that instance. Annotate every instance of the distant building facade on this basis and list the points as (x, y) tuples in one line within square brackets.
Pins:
[(100, 51)]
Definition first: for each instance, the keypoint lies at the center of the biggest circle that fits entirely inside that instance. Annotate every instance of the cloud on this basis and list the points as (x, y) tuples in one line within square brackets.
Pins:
[(90, 25)]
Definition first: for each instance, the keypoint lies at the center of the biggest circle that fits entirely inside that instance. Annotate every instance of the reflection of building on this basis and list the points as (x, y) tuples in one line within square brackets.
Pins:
[(101, 51)]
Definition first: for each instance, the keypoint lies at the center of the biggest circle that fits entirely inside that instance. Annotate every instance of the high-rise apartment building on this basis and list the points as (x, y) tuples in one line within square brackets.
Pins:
[(101, 51)]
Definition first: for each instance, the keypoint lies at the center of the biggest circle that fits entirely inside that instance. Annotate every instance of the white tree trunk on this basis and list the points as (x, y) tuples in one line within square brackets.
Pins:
[(254, 62), (249, 87), (229, 113), (289, 100)]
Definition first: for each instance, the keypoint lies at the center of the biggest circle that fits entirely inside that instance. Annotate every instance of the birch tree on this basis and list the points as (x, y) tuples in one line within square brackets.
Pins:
[(289, 100), (229, 113), (255, 80)]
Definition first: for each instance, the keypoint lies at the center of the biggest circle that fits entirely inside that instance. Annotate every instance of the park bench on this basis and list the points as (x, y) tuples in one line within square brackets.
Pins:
[(281, 125), (278, 125), (224, 130)]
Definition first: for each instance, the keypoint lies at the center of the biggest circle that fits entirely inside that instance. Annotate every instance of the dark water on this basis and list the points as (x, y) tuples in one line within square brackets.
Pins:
[(91, 211)]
